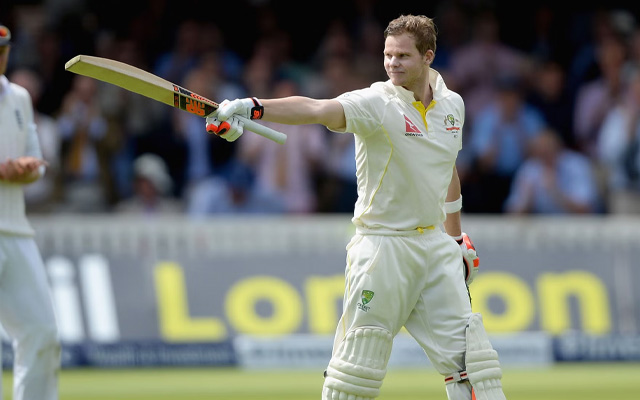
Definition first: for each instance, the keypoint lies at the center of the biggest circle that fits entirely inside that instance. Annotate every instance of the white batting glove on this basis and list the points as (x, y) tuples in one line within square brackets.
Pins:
[(471, 261), (249, 107), (230, 130)]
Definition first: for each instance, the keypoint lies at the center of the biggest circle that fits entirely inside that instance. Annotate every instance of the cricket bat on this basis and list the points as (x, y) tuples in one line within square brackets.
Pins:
[(147, 84)]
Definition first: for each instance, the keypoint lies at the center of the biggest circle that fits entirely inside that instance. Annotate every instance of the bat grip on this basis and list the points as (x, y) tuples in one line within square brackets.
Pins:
[(262, 130)]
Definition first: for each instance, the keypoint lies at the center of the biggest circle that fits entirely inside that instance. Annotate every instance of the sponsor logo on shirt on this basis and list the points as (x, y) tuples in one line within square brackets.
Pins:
[(411, 129)]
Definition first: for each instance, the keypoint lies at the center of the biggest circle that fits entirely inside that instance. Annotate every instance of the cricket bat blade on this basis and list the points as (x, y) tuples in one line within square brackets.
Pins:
[(152, 86)]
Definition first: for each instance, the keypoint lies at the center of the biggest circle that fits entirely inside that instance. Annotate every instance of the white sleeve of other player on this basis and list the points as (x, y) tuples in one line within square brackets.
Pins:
[(33, 144), (32, 148)]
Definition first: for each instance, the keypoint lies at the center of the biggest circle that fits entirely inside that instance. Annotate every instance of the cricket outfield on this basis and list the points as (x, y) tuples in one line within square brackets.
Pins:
[(594, 381)]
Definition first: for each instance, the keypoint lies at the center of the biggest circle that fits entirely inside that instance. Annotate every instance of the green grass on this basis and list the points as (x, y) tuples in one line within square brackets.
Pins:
[(561, 382)]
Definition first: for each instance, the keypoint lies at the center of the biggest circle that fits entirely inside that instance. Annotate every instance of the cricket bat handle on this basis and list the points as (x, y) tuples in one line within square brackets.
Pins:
[(262, 130)]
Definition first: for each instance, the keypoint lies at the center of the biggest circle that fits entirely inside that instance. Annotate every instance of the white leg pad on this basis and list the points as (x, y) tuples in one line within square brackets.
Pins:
[(358, 365), (483, 368)]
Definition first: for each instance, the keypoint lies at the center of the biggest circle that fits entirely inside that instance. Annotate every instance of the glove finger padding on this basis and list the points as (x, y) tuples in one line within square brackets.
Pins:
[(236, 129), (214, 125)]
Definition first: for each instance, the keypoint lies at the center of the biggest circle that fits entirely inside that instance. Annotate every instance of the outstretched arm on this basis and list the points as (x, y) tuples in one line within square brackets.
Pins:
[(294, 110), (299, 110)]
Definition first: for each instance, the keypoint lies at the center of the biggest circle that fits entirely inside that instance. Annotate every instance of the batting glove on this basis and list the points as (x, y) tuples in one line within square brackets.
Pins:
[(248, 107), (230, 130), (470, 258)]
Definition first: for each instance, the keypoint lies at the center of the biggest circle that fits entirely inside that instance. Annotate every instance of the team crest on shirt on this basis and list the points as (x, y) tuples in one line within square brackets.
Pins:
[(452, 124), (366, 296)]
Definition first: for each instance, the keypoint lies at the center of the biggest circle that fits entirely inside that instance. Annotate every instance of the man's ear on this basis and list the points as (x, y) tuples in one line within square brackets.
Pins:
[(428, 57)]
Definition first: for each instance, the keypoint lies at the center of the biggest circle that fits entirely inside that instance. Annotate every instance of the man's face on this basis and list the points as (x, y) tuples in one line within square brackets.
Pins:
[(4, 58), (405, 66)]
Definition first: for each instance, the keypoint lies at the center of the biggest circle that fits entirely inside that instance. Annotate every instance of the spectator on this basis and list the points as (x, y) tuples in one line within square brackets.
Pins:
[(366, 59), (337, 74), (235, 192), (338, 186), (549, 29), (56, 81), (228, 63), (619, 150), (453, 34), (497, 146), (86, 177), (287, 171), (589, 30), (475, 65), (174, 64), (258, 75), (550, 96), (335, 42), (132, 117), (339, 192), (152, 189), (633, 60), (553, 180), (596, 97)]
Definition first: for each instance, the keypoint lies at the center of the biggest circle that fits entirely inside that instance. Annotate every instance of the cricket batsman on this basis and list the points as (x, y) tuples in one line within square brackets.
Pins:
[(409, 263)]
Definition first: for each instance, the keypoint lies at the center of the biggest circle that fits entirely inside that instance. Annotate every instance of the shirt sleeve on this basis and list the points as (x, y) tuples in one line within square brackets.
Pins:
[(360, 111), (32, 148)]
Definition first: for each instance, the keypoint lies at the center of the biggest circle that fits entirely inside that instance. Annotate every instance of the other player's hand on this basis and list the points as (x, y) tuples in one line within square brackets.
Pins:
[(471, 261), (17, 169), (248, 107), (230, 130)]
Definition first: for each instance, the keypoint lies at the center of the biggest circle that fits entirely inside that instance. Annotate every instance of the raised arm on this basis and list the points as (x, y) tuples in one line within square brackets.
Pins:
[(294, 110), (299, 110)]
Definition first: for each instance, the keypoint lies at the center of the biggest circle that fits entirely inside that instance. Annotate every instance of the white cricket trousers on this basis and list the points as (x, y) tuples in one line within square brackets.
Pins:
[(417, 282), (27, 315)]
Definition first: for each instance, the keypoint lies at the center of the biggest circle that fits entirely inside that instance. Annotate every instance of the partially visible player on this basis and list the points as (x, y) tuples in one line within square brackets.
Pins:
[(402, 269), (26, 309)]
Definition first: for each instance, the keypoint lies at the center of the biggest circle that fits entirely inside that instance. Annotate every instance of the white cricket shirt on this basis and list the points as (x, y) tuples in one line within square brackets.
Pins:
[(18, 137), (405, 153)]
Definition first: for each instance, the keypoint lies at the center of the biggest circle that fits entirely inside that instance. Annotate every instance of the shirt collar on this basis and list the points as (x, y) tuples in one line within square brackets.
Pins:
[(437, 86)]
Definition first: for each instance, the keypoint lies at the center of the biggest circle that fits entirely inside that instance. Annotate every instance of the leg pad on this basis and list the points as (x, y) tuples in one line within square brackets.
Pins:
[(483, 367), (358, 365)]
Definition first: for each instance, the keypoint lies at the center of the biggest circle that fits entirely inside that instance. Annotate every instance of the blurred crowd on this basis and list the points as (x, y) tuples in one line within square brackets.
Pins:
[(552, 124)]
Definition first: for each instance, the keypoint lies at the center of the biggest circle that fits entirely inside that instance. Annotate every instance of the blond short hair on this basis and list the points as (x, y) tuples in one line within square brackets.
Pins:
[(421, 28)]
